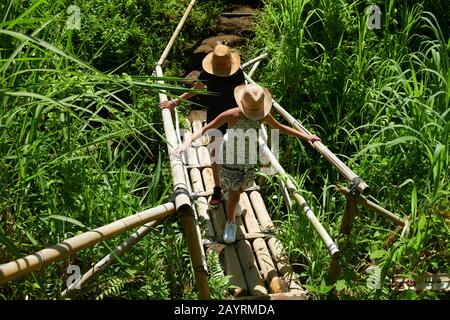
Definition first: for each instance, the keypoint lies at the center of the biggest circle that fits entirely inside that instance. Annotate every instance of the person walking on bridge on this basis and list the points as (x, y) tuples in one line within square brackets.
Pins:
[(220, 75), (254, 104)]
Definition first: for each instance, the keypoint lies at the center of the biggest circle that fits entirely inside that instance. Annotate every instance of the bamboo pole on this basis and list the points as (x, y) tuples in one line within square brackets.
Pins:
[(267, 266), (202, 209), (233, 269), (42, 258), (260, 210), (217, 215), (254, 281), (189, 187), (176, 164), (390, 239), (182, 200), (219, 220), (110, 258), (261, 251), (331, 246), (240, 227), (320, 147), (196, 127), (253, 69), (203, 155), (246, 213), (175, 34), (192, 157), (374, 207), (201, 203), (208, 178), (278, 256), (252, 61), (196, 179), (284, 191), (254, 235)]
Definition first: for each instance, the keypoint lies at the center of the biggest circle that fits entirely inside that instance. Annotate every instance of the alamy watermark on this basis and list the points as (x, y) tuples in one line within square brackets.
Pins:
[(374, 19), (72, 281), (374, 277), (239, 146), (74, 19)]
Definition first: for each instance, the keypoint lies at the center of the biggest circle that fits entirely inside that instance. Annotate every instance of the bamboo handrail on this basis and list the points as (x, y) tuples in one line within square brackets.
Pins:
[(331, 246), (320, 147), (110, 258), (176, 165), (175, 34), (188, 182), (181, 188), (182, 198), (286, 197), (253, 69), (42, 258), (252, 61)]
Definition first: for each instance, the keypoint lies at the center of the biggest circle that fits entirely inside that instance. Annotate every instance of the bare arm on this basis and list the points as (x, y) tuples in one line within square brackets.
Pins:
[(186, 95), (271, 121)]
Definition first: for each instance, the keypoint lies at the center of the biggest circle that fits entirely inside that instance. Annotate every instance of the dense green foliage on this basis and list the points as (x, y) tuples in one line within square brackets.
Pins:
[(380, 100), (80, 142)]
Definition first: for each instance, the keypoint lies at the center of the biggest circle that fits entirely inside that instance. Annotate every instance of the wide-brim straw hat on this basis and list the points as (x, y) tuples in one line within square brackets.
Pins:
[(254, 101), (222, 61)]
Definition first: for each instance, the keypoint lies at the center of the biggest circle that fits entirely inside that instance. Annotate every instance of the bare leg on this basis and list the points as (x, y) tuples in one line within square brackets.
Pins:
[(233, 199)]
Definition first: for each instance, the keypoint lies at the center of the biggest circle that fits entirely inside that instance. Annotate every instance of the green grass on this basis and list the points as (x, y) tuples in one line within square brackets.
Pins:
[(380, 100), (81, 144)]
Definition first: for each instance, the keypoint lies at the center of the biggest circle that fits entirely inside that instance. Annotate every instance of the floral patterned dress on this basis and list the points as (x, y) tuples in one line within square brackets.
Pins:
[(238, 155)]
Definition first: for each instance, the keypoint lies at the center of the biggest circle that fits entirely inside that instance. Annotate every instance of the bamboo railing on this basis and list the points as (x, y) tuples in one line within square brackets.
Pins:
[(182, 200), (175, 34), (329, 243), (110, 258), (40, 259), (180, 180)]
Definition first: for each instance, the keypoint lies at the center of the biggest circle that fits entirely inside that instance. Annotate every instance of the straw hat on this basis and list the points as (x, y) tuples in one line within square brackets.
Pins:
[(254, 101), (222, 61)]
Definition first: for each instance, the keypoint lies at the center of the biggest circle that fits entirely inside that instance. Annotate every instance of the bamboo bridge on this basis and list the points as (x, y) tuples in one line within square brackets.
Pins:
[(256, 262)]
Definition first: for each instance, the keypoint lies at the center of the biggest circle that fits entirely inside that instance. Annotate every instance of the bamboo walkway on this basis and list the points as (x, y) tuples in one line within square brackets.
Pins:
[(255, 261)]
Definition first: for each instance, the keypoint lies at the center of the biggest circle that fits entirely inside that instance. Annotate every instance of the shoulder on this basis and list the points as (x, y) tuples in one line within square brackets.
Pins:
[(231, 114)]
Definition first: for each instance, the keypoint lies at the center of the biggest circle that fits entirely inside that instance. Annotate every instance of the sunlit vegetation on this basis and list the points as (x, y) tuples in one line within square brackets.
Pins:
[(380, 100), (81, 141)]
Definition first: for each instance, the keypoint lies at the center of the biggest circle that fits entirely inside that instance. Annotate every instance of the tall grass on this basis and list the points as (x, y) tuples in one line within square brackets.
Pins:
[(380, 100), (80, 148)]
